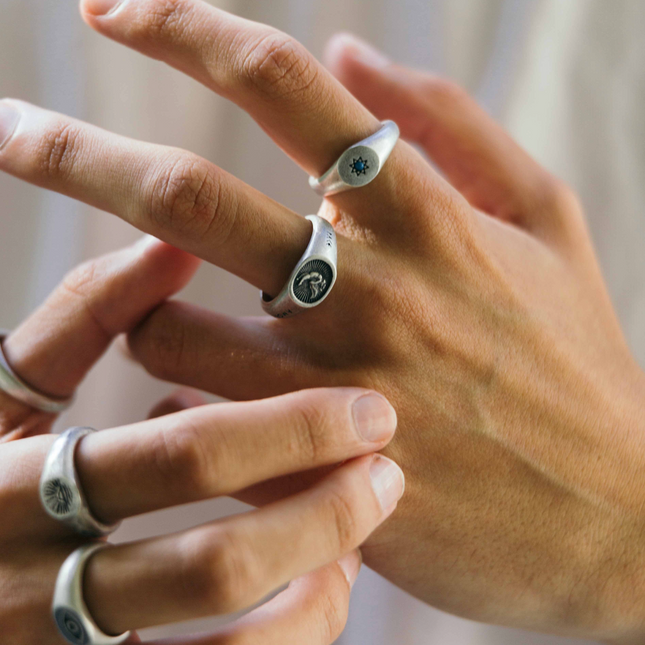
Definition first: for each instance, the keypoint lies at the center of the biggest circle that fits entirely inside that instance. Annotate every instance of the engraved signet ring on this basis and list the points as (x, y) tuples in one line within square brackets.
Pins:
[(360, 164), (71, 614), (312, 279), (60, 491), (16, 388)]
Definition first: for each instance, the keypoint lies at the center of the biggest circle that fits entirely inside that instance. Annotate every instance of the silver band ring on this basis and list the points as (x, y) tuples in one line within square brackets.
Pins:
[(70, 611), (16, 388), (359, 164), (312, 279), (60, 491)]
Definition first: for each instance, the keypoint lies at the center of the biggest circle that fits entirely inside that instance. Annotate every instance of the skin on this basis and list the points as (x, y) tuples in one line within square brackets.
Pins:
[(186, 452), (472, 300)]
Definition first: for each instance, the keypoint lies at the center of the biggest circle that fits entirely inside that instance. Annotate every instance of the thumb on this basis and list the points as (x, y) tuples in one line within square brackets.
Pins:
[(474, 152)]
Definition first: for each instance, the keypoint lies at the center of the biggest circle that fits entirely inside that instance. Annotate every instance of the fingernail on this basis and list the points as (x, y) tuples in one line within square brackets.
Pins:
[(374, 417), (9, 118), (351, 566), (101, 7), (388, 481), (364, 52)]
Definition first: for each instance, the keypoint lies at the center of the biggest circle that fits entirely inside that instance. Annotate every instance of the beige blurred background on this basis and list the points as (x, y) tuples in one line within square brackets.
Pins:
[(567, 77)]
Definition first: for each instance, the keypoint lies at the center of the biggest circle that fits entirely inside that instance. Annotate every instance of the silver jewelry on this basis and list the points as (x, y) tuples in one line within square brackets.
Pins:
[(60, 491), (312, 279), (359, 164), (70, 611), (16, 388)]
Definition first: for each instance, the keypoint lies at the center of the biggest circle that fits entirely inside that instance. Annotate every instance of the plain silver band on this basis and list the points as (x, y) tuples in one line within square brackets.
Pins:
[(321, 247), (68, 607), (60, 492), (374, 150), (16, 388)]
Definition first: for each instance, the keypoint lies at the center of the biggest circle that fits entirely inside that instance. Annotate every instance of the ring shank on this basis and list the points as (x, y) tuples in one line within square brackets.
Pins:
[(313, 277), (12, 385)]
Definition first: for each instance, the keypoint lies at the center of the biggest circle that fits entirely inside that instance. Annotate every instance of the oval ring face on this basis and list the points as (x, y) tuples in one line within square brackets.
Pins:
[(312, 282), (358, 166), (70, 625), (58, 497)]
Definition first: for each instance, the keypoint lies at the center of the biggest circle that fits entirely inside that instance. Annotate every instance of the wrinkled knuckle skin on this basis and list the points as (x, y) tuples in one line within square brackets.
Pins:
[(223, 579), (161, 19), (279, 66), (311, 430), (83, 279), (58, 151), (333, 615), (187, 198), (343, 520), (180, 458)]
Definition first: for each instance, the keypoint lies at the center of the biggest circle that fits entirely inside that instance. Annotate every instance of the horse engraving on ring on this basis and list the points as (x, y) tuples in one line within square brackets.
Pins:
[(316, 283)]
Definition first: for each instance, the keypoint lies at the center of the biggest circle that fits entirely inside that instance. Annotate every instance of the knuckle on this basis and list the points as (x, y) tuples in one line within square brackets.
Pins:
[(84, 283), (82, 279), (333, 615), (187, 197), (279, 66), (162, 18), (58, 150), (343, 520), (312, 435), (181, 460), (225, 574)]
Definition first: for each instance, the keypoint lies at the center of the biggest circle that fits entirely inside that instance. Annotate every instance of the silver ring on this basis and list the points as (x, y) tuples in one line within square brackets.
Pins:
[(70, 611), (359, 164), (312, 279), (16, 388), (60, 492)]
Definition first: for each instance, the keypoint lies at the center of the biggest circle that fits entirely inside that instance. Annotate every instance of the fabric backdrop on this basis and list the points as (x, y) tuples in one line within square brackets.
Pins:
[(565, 76)]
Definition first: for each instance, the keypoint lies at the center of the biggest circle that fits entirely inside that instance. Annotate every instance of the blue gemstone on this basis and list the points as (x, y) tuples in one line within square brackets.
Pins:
[(360, 166)]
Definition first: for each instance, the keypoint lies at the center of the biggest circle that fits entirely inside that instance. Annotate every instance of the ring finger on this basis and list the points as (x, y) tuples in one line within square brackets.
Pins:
[(199, 453)]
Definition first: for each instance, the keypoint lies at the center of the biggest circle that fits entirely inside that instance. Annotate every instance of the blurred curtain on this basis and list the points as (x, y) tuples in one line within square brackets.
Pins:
[(567, 77)]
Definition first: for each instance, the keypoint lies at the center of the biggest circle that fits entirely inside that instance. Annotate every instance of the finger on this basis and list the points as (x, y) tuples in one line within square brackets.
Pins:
[(201, 453), (271, 76), (236, 358), (56, 346), (172, 194), (312, 610), (477, 155), (181, 399), (229, 565)]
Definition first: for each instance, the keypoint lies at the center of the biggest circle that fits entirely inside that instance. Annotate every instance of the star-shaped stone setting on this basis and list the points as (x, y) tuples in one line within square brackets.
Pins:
[(359, 166)]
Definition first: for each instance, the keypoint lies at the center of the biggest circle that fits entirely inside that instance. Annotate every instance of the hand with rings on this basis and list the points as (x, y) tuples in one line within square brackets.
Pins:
[(59, 495), (472, 300)]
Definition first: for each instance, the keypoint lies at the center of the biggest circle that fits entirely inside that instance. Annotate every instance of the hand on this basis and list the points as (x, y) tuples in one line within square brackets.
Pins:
[(475, 303), (193, 454)]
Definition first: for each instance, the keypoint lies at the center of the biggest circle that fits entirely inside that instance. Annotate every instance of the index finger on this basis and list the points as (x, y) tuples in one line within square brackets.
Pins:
[(56, 346)]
